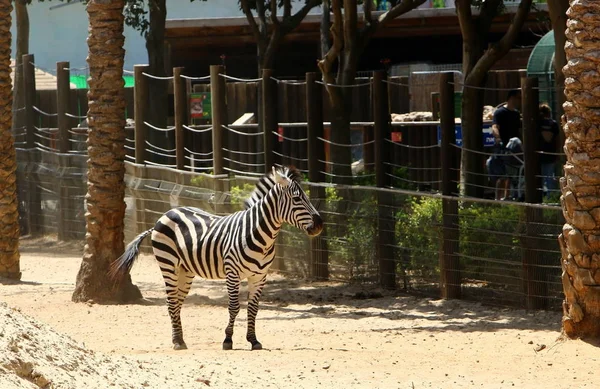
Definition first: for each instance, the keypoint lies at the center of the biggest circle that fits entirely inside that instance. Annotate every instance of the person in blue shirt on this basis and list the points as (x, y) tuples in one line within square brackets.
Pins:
[(506, 124)]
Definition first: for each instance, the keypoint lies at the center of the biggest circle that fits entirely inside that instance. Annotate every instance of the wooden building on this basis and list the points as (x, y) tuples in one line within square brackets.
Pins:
[(420, 36)]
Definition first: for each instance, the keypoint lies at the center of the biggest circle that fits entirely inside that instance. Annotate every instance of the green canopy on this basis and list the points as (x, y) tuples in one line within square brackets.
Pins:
[(541, 65), (80, 81)]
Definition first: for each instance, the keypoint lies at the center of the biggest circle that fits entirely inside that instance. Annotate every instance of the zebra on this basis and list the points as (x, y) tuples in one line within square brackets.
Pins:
[(189, 242)]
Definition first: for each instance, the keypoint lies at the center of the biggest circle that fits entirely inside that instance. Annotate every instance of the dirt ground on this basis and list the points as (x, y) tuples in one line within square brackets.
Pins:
[(315, 335)]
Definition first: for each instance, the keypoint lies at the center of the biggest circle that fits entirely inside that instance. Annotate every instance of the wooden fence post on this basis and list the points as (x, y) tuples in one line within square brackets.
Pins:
[(319, 256), (449, 261), (385, 201), (269, 116), (180, 102), (535, 282), (63, 90), (63, 100), (218, 92), (140, 96), (34, 200), (30, 95)]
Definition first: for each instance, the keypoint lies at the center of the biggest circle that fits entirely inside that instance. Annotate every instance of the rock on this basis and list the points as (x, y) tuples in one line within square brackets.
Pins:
[(540, 348)]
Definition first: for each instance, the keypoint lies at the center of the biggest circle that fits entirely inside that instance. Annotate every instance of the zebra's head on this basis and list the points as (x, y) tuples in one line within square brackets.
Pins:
[(295, 207), (293, 204)]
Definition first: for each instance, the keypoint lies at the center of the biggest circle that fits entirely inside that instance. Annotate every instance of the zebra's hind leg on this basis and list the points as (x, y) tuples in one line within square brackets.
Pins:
[(178, 284), (233, 292), (255, 287)]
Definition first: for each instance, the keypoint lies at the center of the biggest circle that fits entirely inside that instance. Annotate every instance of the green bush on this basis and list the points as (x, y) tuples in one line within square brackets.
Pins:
[(418, 236), (352, 232)]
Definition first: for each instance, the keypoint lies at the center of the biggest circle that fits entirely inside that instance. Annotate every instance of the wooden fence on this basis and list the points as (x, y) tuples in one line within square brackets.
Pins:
[(52, 175)]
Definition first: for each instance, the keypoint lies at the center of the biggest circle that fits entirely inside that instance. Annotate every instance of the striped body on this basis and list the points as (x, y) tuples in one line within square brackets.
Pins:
[(205, 244), (189, 242)]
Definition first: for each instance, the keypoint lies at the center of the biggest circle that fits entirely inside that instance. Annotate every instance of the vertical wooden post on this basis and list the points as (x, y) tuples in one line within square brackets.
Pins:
[(319, 258), (385, 201), (530, 104), (535, 282), (63, 99), (140, 96), (218, 92), (33, 192), (449, 261), (435, 105), (63, 90), (30, 92), (269, 115), (180, 101)]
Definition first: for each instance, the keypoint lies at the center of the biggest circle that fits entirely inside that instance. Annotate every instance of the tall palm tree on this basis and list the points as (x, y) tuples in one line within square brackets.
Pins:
[(106, 167), (9, 217), (580, 239)]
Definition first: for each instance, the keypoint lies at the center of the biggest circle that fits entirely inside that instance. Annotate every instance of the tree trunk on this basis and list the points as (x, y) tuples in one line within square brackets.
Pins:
[(472, 163), (558, 17), (106, 168), (325, 26), (9, 216), (340, 132), (22, 17), (158, 89), (580, 239)]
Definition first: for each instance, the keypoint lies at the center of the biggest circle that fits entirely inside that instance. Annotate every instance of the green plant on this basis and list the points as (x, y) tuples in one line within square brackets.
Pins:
[(418, 237), (352, 230)]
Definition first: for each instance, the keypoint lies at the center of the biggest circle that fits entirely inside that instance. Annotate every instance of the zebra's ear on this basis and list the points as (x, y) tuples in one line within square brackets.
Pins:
[(280, 177)]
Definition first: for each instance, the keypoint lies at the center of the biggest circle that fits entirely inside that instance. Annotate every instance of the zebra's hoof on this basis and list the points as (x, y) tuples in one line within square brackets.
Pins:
[(256, 346), (179, 346), (227, 345)]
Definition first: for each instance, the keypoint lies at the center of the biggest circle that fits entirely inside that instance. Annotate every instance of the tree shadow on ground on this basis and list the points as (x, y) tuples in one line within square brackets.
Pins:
[(295, 300)]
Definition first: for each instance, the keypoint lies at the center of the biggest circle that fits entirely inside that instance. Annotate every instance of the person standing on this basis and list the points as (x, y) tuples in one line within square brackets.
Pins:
[(548, 131), (506, 124)]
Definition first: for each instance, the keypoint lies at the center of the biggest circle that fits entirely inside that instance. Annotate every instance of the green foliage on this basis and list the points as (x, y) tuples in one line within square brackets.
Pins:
[(418, 236), (490, 231), (352, 231), (239, 194)]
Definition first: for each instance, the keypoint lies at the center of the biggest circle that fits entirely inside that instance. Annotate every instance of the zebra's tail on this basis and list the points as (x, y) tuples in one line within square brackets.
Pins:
[(124, 263)]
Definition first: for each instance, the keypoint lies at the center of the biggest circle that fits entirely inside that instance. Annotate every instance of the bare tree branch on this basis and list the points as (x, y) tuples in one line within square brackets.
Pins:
[(372, 26), (400, 9), (291, 22), (350, 21), (287, 8), (488, 11), (501, 48), (329, 59), (368, 8), (274, 19), (260, 10), (253, 26), (465, 19), (325, 26)]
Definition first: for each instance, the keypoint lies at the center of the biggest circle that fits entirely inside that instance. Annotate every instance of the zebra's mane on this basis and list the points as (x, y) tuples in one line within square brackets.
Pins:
[(265, 183)]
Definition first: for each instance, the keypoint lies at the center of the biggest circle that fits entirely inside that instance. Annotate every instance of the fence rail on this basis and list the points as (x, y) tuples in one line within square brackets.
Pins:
[(401, 225)]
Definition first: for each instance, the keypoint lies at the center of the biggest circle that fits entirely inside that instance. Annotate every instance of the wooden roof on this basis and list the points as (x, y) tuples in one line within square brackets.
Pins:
[(43, 80), (186, 34)]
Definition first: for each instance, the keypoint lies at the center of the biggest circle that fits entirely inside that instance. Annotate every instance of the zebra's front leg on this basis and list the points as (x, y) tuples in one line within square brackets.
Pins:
[(233, 292), (255, 287)]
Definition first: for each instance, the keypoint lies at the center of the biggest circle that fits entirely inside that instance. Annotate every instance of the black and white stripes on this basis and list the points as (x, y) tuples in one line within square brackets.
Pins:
[(189, 242)]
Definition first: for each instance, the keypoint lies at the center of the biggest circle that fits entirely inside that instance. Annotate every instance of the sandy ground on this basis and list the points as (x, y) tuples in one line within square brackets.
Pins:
[(315, 335)]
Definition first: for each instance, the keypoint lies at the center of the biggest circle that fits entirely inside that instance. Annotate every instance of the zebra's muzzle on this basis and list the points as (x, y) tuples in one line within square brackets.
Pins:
[(316, 227)]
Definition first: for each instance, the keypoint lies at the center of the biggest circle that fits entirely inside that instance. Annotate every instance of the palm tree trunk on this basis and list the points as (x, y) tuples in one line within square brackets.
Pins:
[(106, 168), (580, 239), (22, 17), (9, 216)]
